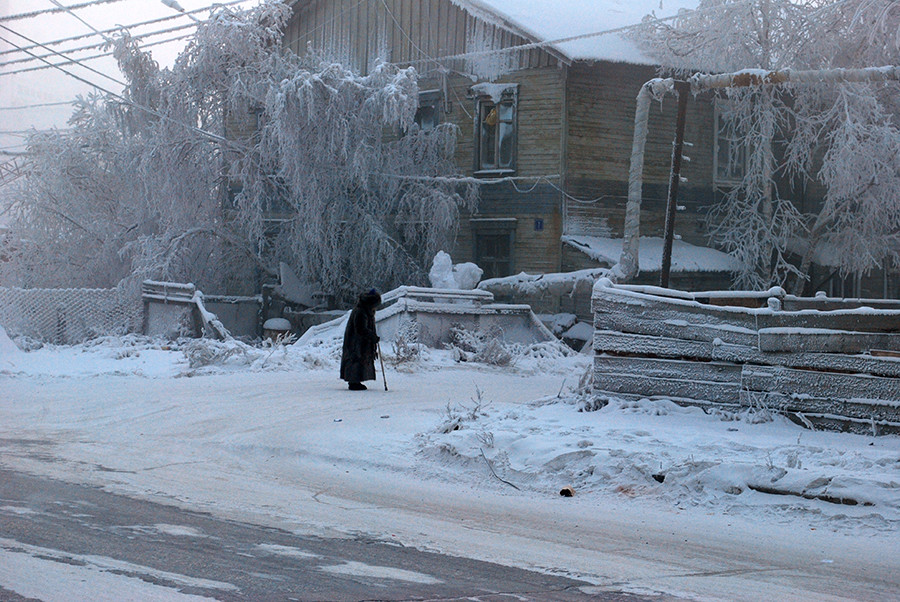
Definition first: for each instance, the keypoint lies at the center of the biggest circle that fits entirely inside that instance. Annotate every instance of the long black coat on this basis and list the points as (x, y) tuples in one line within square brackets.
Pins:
[(360, 340)]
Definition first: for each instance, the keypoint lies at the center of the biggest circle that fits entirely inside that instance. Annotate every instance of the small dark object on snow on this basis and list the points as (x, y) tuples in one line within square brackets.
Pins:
[(659, 477), (360, 342), (567, 492)]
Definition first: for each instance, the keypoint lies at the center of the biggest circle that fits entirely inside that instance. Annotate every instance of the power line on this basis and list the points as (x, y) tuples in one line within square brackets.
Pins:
[(70, 60), (124, 100), (47, 11), (133, 25), (37, 106), (82, 21), (90, 46), (24, 37)]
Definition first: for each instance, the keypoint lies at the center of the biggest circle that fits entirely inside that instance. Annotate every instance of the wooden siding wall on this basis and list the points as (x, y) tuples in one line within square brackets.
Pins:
[(601, 101), (359, 33), (540, 116)]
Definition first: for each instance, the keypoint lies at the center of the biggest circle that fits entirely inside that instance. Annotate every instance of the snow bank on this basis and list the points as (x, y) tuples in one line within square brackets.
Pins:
[(9, 353), (748, 462)]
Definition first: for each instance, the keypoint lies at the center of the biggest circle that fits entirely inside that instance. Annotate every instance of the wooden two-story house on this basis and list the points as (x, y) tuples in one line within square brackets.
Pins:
[(543, 93)]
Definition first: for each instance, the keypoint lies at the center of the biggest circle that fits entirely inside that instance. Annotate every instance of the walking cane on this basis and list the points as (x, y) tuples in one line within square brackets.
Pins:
[(381, 357)]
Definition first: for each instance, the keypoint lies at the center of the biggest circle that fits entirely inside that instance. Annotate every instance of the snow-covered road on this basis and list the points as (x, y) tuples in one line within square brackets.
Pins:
[(292, 448)]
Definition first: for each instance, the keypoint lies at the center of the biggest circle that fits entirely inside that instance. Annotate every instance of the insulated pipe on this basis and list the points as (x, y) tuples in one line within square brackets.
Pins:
[(628, 266)]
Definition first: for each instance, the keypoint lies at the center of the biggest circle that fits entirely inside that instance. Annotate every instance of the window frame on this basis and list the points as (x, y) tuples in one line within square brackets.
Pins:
[(435, 100), (736, 169), (508, 97)]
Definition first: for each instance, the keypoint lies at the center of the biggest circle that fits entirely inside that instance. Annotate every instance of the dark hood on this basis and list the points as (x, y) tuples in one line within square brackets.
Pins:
[(369, 300)]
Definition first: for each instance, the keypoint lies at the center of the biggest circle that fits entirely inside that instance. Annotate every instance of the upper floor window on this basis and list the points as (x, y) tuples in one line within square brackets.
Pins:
[(495, 127), (428, 115), (730, 158)]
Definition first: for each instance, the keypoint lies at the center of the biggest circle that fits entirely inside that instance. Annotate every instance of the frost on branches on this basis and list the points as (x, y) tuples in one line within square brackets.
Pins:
[(167, 182), (840, 137)]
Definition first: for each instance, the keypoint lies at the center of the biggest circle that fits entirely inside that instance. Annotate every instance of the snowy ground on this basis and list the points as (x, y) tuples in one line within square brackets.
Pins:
[(468, 459)]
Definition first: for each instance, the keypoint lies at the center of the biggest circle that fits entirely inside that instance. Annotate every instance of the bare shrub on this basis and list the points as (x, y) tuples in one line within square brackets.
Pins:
[(406, 347), (486, 347)]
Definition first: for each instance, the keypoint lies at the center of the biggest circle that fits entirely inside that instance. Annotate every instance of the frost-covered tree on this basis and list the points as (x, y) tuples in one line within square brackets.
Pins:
[(167, 181), (839, 135)]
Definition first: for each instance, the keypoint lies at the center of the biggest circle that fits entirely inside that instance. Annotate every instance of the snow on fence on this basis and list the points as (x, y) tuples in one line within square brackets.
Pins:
[(173, 309), (833, 363), (436, 311), (68, 316)]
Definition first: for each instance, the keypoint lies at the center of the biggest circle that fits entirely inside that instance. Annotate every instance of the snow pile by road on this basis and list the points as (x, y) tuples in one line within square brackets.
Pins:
[(749, 463)]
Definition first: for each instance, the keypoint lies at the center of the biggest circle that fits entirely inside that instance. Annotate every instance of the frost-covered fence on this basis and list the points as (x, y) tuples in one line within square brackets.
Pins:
[(833, 363), (68, 316), (173, 309)]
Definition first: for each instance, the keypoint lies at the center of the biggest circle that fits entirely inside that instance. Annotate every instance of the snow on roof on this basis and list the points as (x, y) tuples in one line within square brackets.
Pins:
[(543, 20), (685, 256)]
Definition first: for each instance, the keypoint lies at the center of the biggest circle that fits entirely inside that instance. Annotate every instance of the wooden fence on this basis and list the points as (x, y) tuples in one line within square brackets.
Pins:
[(825, 362)]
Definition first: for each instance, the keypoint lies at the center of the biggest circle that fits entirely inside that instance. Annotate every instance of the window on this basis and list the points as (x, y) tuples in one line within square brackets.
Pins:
[(495, 128), (730, 158), (428, 115)]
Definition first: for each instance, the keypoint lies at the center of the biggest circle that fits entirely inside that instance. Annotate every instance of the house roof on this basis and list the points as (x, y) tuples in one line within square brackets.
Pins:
[(685, 256), (545, 20)]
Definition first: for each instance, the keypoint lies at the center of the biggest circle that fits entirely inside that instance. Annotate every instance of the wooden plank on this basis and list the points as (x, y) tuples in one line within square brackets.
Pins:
[(360, 33), (825, 362), (883, 321), (792, 303), (710, 381), (653, 307), (673, 325), (824, 385), (845, 424), (670, 368), (434, 21), (620, 343), (664, 388), (825, 340), (802, 404)]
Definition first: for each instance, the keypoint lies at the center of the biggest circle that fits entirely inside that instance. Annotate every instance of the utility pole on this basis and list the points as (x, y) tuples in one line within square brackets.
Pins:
[(683, 88)]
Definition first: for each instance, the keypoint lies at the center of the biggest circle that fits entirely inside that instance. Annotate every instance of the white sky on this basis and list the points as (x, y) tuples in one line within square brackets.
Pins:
[(51, 85)]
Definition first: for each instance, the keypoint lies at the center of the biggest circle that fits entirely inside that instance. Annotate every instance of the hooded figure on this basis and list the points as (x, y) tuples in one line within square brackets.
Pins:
[(360, 342)]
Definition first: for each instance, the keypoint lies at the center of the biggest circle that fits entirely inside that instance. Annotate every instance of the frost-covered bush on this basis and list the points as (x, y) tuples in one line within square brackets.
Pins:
[(209, 352), (842, 136), (406, 346), (145, 185), (462, 413), (482, 346)]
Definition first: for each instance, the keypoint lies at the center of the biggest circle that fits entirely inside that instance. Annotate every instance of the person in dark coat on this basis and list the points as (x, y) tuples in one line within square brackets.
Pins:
[(360, 342)]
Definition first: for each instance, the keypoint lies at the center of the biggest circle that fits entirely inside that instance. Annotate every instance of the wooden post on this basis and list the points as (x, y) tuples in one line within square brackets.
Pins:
[(683, 88)]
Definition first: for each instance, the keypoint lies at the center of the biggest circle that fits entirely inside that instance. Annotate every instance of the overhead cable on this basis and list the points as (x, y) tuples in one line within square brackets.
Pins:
[(91, 46), (37, 105), (47, 11), (24, 37), (70, 60), (132, 25), (130, 103)]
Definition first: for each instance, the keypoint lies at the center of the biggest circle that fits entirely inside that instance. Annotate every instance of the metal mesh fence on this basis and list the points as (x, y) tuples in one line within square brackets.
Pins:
[(68, 316)]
